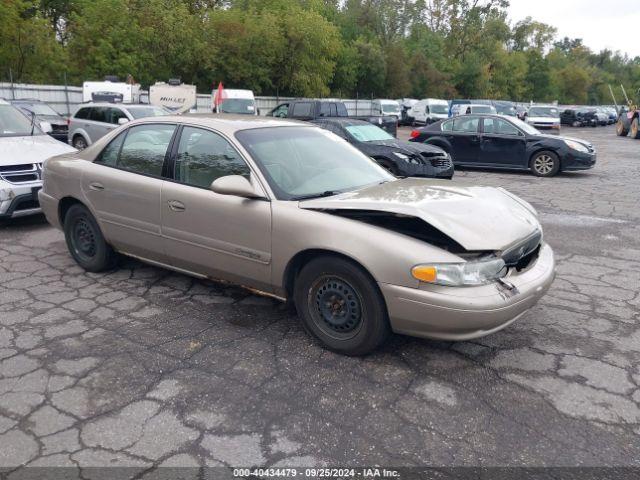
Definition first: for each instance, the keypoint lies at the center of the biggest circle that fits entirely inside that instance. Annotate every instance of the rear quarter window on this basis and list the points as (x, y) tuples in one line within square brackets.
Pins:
[(302, 109), (83, 113)]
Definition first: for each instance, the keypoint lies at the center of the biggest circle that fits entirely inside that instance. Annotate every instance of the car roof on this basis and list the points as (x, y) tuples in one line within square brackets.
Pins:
[(113, 104), (4, 102), (225, 123)]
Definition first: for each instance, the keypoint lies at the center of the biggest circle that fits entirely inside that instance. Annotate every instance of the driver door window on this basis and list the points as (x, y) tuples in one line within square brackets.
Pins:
[(204, 156)]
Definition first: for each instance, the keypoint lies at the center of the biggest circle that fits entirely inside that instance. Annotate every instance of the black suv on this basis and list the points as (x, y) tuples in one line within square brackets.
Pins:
[(579, 117)]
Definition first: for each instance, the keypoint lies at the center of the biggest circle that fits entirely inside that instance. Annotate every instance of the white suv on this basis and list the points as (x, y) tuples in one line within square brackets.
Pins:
[(94, 120), (24, 146)]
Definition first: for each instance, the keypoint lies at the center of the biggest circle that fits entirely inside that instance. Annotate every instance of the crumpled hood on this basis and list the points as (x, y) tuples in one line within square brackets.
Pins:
[(408, 147), (478, 218), (30, 149)]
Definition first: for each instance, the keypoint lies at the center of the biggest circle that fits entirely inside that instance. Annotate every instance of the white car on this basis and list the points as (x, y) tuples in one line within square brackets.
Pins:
[(429, 110), (240, 102), (384, 107), (543, 117), (473, 108), (24, 146)]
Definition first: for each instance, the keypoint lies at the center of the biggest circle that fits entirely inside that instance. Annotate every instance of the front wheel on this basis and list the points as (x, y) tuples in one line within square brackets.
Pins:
[(545, 164), (341, 306), (85, 240), (635, 131)]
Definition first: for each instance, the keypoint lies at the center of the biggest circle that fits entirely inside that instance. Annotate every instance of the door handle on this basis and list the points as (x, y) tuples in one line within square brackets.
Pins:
[(96, 186), (176, 206)]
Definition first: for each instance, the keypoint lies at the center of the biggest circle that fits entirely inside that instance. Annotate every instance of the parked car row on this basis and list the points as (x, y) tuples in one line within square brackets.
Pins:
[(309, 217)]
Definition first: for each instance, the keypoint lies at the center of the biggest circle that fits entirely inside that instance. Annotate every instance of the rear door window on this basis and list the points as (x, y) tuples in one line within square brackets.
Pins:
[(83, 113), (466, 124), (302, 109)]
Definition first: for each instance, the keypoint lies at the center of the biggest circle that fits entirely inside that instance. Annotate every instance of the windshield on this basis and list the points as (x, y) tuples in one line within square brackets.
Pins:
[(368, 133), (38, 108), (390, 108), (543, 112), (15, 124), (143, 112), (439, 109), (307, 162), (238, 105), (524, 126)]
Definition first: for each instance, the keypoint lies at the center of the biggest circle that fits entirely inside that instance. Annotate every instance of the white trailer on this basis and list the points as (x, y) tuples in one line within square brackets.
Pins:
[(106, 91), (178, 98)]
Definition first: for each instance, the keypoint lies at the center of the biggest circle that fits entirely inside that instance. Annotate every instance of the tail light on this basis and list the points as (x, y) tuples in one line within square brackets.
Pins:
[(415, 133)]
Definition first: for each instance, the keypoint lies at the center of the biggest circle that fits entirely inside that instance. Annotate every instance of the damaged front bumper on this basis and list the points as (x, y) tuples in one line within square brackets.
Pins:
[(464, 313)]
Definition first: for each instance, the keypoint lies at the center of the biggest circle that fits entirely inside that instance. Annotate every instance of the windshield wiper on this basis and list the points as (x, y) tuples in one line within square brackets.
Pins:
[(326, 193), (33, 122)]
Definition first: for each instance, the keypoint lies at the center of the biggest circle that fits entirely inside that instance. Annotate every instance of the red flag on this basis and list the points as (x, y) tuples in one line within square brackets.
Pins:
[(219, 96)]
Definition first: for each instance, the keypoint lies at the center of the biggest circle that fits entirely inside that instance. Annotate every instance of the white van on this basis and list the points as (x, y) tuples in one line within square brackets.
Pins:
[(383, 107), (235, 101), (175, 97), (114, 92), (429, 110)]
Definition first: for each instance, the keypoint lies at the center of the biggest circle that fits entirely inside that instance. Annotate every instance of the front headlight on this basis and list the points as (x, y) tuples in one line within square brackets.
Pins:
[(6, 194), (472, 273), (576, 146), (401, 156)]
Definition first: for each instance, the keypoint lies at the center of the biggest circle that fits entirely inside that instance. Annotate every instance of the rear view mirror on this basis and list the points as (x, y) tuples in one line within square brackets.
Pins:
[(122, 121), (235, 185), (46, 127)]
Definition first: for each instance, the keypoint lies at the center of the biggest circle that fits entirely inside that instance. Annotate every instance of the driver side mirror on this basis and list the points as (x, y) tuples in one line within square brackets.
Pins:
[(236, 185), (122, 121), (46, 127)]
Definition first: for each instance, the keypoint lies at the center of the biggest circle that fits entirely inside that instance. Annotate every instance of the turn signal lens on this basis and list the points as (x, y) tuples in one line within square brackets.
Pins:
[(424, 273)]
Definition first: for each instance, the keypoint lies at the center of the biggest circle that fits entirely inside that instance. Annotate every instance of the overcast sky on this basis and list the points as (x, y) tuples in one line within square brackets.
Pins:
[(612, 24)]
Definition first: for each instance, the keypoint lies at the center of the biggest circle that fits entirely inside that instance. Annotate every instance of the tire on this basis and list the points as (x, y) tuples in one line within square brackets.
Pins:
[(341, 306), (86, 242), (635, 130), (79, 142), (621, 129), (545, 164)]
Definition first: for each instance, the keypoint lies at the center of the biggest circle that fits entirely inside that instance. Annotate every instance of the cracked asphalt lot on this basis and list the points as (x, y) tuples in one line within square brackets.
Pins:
[(143, 367)]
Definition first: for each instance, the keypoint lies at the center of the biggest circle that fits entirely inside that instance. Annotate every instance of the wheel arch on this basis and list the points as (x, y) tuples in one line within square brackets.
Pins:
[(303, 257), (64, 205)]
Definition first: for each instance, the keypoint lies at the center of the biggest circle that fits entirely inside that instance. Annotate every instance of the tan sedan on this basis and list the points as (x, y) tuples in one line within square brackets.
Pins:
[(298, 213)]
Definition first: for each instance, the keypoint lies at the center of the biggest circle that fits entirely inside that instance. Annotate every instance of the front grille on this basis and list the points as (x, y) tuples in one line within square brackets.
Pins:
[(440, 162), (24, 173), (521, 254)]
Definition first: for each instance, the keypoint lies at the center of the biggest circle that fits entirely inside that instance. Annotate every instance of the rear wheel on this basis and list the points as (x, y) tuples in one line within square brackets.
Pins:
[(79, 142), (341, 306), (545, 164), (85, 240), (621, 129), (635, 131)]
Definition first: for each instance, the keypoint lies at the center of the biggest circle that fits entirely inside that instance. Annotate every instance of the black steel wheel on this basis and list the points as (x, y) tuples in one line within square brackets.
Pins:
[(341, 305), (85, 240)]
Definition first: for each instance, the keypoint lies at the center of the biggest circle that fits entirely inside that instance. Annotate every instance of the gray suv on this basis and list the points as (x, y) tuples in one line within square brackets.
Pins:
[(94, 120)]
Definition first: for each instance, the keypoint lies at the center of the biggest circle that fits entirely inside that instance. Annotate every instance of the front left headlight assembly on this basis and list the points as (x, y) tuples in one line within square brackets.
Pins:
[(473, 273), (405, 157), (576, 146)]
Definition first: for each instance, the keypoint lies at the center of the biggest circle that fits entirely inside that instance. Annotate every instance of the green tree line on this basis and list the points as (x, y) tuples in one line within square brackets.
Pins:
[(369, 48)]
